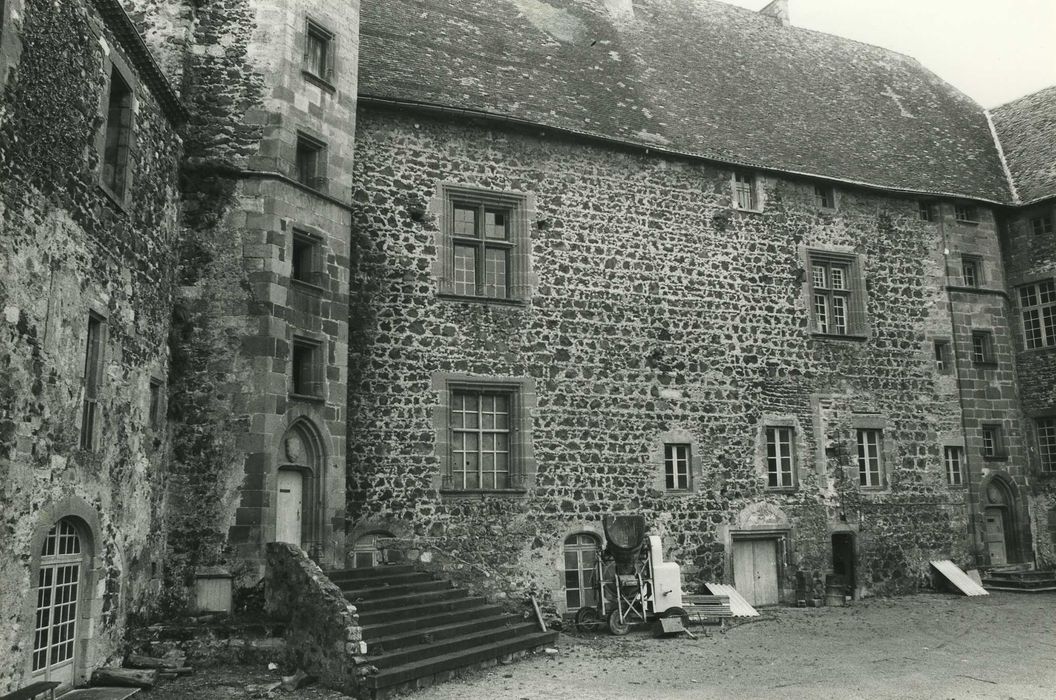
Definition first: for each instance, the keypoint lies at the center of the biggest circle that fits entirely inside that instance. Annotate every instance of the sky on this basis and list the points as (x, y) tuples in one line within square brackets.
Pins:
[(992, 50)]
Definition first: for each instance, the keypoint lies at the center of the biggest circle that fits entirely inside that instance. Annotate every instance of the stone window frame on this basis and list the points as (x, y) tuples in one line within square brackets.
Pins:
[(966, 213), (1037, 309), (316, 239), (92, 379), (942, 356), (798, 448), (1041, 225), (983, 348), (998, 450), (1046, 448), (962, 466), (521, 205), (317, 367), (859, 327), (317, 178), (754, 191), (313, 28), (115, 63), (972, 271), (523, 402), (825, 197), (658, 465), (885, 450), (927, 210)]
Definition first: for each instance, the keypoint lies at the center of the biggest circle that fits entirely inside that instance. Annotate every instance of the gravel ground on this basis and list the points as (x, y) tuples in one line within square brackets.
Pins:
[(922, 646)]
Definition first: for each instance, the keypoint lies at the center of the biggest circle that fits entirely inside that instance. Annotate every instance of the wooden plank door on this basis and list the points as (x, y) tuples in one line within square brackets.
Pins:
[(744, 569), (755, 570), (288, 507), (995, 536)]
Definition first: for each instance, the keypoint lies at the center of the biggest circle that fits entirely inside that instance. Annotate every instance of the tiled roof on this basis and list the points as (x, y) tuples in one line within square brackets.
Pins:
[(1027, 131), (697, 77)]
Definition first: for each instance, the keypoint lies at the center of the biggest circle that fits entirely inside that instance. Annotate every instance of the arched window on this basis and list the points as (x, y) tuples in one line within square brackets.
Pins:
[(581, 554), (58, 590), (368, 550)]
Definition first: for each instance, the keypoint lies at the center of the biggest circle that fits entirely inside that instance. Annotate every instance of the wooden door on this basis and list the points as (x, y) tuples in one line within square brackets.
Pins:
[(755, 570), (995, 536), (288, 507)]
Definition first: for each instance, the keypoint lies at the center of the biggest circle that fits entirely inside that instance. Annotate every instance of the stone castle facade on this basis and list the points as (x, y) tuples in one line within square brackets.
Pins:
[(449, 281)]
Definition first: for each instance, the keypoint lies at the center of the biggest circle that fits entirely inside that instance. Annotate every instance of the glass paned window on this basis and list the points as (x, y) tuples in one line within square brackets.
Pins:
[(1047, 443), (982, 347), (317, 53), (970, 272), (779, 460), (480, 426), (943, 361), (1041, 226), (676, 467), (744, 191), (993, 441), (482, 248), (967, 213), (581, 556), (954, 457), (833, 295), (58, 581), (1037, 304), (869, 457)]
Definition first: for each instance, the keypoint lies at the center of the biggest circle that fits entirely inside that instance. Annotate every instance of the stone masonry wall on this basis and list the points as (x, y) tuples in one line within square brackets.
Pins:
[(68, 250), (657, 310)]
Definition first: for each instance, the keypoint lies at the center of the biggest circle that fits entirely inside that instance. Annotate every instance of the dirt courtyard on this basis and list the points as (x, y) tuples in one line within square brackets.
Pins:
[(922, 646)]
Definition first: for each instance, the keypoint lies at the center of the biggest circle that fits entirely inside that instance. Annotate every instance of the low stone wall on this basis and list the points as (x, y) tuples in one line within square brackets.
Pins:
[(322, 629)]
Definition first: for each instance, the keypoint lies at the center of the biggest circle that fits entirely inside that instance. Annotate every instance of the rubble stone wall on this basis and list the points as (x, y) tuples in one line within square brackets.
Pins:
[(657, 310), (68, 250)]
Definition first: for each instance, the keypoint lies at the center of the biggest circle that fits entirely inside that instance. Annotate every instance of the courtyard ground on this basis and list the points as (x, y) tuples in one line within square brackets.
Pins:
[(922, 646)]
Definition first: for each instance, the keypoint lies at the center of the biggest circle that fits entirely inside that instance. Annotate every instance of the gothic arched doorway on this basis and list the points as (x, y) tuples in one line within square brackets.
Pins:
[(299, 494), (999, 523)]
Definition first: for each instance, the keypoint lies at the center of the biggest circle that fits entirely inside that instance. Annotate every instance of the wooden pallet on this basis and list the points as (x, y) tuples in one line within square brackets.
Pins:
[(707, 609)]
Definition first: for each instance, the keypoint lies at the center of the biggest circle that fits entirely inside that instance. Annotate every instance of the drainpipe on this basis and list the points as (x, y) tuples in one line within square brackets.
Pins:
[(969, 480)]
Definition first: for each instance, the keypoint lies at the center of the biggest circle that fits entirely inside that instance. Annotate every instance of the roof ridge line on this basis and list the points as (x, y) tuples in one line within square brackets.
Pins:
[(1001, 156)]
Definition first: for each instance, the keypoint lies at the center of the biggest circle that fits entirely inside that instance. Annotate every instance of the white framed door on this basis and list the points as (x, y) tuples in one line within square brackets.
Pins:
[(57, 592), (288, 506)]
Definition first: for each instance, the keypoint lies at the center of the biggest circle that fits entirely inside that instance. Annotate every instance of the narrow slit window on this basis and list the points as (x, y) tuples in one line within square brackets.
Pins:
[(943, 357), (118, 134), (93, 371), (306, 368)]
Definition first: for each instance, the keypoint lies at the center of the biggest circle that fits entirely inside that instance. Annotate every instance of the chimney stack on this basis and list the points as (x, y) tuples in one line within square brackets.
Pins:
[(778, 9)]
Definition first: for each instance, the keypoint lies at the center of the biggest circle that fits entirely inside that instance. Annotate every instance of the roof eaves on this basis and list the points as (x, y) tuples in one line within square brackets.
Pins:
[(710, 157), (121, 25)]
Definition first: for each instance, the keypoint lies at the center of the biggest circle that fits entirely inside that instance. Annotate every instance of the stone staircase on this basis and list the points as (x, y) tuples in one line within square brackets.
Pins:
[(420, 630), (1023, 579)]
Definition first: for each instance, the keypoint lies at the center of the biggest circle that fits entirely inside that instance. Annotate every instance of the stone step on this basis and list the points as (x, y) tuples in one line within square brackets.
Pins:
[(391, 628), (1031, 575), (425, 668), (404, 599), (369, 572), (375, 581), (450, 645), (372, 615), (413, 636), (370, 595)]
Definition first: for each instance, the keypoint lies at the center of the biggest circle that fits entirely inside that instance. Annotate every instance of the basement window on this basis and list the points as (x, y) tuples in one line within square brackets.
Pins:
[(306, 368), (310, 162)]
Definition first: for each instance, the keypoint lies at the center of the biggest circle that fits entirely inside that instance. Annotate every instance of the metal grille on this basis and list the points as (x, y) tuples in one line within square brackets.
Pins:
[(58, 582)]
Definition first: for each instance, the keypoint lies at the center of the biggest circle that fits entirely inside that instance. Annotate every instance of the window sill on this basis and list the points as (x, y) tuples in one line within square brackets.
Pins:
[(987, 364), (782, 489), (956, 487), (473, 493), (970, 222), (852, 337), (318, 81), (311, 398), (976, 290), (498, 301), (738, 210), (307, 287), (995, 458), (119, 202)]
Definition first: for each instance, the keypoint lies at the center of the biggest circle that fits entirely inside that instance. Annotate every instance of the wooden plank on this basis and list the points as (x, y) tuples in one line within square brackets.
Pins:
[(124, 677), (958, 578), (100, 694), (738, 604)]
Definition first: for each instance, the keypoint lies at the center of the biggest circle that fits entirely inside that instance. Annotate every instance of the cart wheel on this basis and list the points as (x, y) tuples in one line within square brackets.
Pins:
[(588, 620), (618, 626), (677, 612)]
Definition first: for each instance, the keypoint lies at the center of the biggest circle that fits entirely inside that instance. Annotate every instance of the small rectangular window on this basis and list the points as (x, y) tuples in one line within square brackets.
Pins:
[(118, 135), (318, 51), (780, 460), (926, 211), (310, 166), (744, 192), (825, 196), (954, 457), (1046, 428), (155, 403), (870, 458), (982, 348), (1037, 304), (966, 213), (1041, 225), (676, 467), (971, 270), (943, 359), (305, 263), (306, 366), (993, 441), (93, 375)]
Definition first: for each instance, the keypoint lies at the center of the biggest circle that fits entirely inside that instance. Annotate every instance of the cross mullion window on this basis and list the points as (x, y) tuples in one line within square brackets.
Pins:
[(779, 459), (869, 464), (481, 236), (1038, 307), (832, 296), (480, 426)]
